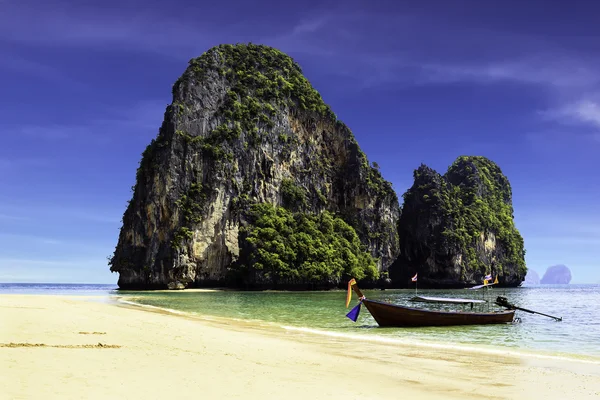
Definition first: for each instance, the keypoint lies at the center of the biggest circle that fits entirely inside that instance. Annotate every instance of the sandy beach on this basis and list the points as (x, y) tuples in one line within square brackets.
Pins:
[(67, 347)]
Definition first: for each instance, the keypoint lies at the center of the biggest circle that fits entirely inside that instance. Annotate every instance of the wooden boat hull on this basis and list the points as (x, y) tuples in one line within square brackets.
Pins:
[(391, 315)]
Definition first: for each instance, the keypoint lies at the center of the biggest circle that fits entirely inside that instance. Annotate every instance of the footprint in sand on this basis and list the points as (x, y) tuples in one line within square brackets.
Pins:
[(63, 346)]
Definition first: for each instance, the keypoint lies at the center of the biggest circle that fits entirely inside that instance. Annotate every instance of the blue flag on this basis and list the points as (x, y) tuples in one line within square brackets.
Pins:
[(353, 314)]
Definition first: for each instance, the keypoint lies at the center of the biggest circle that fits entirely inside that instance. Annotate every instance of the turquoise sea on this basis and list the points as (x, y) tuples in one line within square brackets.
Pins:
[(323, 313)]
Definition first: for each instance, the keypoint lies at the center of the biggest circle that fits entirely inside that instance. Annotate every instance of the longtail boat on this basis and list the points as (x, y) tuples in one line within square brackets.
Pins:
[(393, 315)]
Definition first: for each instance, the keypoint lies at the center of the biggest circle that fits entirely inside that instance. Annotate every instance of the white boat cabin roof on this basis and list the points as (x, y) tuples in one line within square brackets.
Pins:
[(427, 299)]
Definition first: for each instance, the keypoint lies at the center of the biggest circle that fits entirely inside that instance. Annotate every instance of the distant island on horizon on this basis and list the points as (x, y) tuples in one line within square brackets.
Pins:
[(253, 183), (556, 274)]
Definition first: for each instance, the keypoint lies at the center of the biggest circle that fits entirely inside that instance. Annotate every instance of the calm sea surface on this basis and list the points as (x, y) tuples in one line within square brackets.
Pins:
[(578, 334)]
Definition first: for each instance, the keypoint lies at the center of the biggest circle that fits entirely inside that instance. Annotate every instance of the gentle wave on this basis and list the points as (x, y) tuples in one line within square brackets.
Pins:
[(169, 310), (377, 339), (442, 346), (196, 315)]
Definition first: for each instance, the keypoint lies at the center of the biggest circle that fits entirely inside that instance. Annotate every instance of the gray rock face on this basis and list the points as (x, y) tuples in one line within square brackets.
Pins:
[(532, 277), (175, 286), (458, 227), (557, 275), (244, 127)]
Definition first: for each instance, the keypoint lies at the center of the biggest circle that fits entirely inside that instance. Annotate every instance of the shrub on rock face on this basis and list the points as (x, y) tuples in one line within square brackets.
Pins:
[(283, 248), (459, 227), (248, 143), (246, 127)]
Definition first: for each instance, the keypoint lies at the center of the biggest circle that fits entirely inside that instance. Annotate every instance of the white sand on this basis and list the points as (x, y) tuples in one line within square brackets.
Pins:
[(168, 356)]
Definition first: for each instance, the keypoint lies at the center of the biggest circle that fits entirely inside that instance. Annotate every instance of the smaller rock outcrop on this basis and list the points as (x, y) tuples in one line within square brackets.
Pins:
[(458, 227), (557, 275), (532, 278)]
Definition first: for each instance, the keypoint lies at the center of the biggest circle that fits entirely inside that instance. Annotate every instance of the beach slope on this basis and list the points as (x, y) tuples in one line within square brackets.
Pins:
[(65, 347)]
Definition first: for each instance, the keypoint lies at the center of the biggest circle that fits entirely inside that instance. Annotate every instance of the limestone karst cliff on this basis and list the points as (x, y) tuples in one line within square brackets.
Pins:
[(248, 147), (253, 182), (459, 227)]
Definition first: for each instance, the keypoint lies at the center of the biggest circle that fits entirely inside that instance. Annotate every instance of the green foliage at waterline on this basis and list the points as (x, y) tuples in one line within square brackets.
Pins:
[(285, 248)]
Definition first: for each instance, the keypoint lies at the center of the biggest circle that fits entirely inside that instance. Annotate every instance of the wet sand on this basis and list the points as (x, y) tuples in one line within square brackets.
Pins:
[(67, 347)]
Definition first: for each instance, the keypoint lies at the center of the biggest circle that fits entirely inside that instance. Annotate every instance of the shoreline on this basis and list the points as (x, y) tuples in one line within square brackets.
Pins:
[(431, 343), (161, 354), (128, 297)]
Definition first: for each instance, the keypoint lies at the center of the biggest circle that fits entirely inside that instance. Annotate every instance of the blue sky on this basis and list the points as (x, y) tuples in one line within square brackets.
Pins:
[(85, 84)]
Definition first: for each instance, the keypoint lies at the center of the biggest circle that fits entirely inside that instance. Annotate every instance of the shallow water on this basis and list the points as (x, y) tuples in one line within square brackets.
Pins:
[(577, 333), (324, 312)]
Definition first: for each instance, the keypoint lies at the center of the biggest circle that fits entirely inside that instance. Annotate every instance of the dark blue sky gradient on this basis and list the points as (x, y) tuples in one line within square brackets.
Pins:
[(84, 88)]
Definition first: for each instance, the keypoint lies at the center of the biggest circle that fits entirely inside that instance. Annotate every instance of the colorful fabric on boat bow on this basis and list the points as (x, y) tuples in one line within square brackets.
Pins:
[(353, 314), (349, 294)]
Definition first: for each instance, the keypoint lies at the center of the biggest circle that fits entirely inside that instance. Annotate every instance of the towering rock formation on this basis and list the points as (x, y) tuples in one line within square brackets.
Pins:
[(459, 227), (556, 275), (247, 148)]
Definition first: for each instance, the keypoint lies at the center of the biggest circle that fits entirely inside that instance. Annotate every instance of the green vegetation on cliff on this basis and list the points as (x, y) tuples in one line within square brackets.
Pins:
[(262, 85), (246, 127), (284, 247), (484, 203), (260, 77), (262, 82), (472, 199)]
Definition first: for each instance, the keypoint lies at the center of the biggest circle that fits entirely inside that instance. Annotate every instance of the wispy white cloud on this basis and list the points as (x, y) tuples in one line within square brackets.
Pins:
[(34, 245), (67, 270), (50, 132), (96, 216), (15, 63), (31, 238), (13, 217), (554, 140), (340, 39), (10, 164), (25, 261), (541, 70), (145, 116), (66, 213), (570, 81), (588, 111), (410, 50), (309, 26), (583, 111), (76, 25), (563, 240)]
